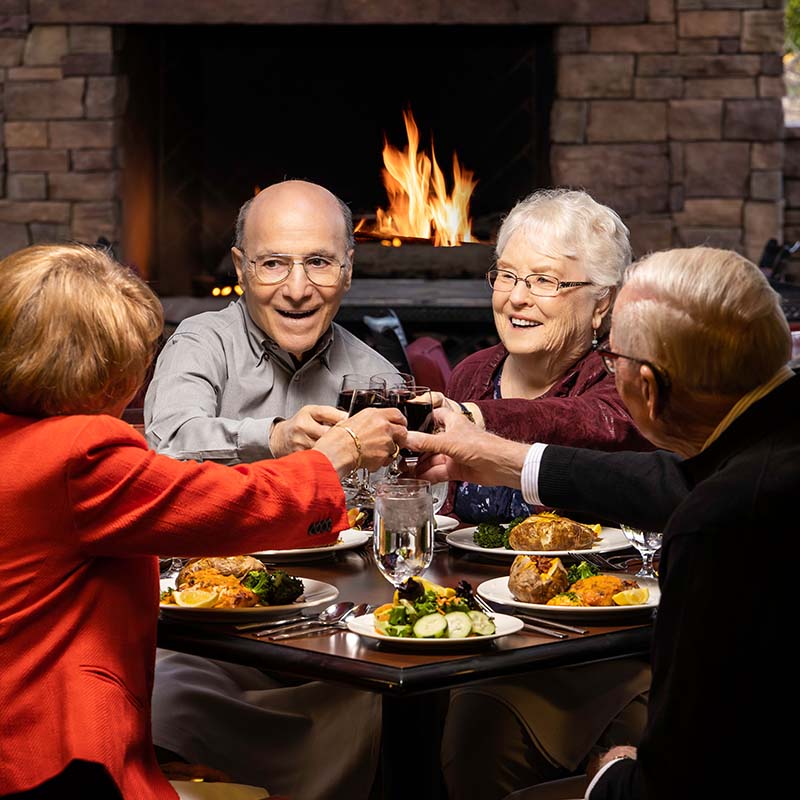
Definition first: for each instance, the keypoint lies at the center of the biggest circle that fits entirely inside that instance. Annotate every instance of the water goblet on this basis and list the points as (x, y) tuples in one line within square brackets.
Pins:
[(648, 543), (403, 529)]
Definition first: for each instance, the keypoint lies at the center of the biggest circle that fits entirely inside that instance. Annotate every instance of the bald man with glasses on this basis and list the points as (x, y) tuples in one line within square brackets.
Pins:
[(260, 378)]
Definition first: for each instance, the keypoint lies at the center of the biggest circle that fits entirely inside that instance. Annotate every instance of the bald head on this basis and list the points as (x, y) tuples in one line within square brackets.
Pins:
[(297, 202)]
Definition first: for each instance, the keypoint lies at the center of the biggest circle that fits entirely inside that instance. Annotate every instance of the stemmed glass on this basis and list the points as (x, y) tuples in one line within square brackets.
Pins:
[(648, 543), (399, 388), (365, 392), (403, 528)]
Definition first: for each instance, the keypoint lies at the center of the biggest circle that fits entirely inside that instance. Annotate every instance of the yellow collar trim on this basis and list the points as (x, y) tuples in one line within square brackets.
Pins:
[(741, 405)]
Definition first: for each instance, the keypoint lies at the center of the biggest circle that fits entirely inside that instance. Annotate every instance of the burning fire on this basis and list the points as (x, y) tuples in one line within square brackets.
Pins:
[(419, 205)]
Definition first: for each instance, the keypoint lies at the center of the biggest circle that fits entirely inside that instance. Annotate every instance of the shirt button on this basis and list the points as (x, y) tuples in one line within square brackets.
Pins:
[(296, 378)]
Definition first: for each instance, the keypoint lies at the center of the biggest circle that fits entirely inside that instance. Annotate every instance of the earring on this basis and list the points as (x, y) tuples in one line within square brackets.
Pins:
[(594, 339)]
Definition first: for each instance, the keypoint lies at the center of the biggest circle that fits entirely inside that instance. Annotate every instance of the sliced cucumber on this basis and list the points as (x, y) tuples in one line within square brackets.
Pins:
[(431, 626), (459, 625), (482, 625)]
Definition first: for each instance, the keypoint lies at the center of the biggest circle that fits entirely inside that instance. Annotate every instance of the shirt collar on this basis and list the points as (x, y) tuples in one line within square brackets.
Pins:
[(753, 396)]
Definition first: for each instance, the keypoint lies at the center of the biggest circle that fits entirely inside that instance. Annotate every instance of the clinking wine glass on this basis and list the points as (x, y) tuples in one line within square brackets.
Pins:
[(400, 387), (350, 383), (648, 543), (403, 529), (417, 406), (367, 392)]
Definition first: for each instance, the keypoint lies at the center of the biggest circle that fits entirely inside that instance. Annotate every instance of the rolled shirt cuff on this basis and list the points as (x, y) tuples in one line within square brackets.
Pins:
[(602, 771)]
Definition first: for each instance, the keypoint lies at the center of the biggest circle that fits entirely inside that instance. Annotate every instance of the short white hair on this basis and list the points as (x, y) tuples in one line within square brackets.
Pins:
[(707, 316), (578, 227)]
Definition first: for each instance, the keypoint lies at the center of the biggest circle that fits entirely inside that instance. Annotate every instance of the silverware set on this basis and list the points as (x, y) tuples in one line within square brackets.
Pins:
[(331, 619), (596, 560)]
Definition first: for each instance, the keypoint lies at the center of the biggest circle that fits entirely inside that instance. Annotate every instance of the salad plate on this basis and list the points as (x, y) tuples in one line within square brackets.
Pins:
[(348, 539), (611, 540), (496, 591), (365, 626), (317, 592)]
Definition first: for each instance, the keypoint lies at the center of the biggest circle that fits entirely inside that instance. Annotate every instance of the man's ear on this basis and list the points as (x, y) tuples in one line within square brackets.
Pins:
[(348, 278), (238, 261), (651, 391)]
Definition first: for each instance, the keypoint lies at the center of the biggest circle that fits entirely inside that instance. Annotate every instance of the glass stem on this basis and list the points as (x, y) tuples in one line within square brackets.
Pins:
[(647, 561)]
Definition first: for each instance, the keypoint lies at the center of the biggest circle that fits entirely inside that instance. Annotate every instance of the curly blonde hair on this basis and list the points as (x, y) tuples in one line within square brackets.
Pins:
[(77, 331)]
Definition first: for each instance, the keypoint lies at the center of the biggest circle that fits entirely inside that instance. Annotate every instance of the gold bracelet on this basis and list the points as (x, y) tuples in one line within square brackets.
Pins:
[(467, 413), (357, 443)]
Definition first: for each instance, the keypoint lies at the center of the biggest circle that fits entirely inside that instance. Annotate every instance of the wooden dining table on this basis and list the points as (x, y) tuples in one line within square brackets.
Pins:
[(414, 681)]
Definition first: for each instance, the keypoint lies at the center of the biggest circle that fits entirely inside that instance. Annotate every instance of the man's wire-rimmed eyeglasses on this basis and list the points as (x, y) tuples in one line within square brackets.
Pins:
[(541, 285), (609, 357), (276, 267)]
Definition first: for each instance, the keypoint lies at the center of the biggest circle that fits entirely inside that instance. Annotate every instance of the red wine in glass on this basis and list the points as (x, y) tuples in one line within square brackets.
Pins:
[(345, 399), (418, 410)]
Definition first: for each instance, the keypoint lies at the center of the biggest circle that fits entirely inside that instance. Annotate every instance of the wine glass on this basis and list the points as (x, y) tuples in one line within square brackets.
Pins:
[(648, 543), (366, 392), (350, 383), (403, 528), (399, 387), (417, 407)]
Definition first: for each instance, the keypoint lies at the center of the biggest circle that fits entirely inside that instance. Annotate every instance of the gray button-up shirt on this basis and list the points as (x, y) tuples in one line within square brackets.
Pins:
[(220, 382)]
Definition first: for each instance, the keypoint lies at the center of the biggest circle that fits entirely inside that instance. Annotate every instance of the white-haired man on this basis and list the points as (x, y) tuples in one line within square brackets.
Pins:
[(699, 347)]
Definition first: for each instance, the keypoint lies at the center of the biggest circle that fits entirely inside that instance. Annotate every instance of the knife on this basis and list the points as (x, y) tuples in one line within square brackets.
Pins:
[(313, 631), (544, 631), (539, 621)]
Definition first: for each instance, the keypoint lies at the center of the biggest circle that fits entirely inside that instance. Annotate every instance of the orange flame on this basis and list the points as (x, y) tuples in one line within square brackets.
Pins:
[(419, 205)]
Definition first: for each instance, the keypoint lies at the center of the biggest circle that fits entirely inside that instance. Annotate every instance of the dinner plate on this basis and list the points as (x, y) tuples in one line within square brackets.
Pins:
[(365, 626), (445, 524), (496, 591), (611, 540), (348, 539), (320, 593)]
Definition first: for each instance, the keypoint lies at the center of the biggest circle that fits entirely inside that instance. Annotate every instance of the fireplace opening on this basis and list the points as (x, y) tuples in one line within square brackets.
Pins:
[(218, 112)]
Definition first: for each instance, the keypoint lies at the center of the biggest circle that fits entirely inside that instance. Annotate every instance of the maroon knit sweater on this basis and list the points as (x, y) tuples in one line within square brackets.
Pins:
[(582, 409)]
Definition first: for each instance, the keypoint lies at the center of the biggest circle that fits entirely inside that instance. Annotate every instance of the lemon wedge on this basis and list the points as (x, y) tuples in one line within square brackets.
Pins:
[(631, 597), (196, 598)]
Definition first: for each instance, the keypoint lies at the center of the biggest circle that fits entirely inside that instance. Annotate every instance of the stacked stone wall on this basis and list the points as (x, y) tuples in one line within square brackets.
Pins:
[(677, 122), (61, 103), (668, 110)]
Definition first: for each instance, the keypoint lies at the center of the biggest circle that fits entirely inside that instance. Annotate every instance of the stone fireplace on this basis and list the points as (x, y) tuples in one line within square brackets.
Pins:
[(149, 123)]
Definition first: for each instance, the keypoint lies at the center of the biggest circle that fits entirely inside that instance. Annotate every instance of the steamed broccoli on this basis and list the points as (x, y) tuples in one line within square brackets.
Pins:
[(490, 534), (493, 534), (276, 588), (285, 588), (581, 570)]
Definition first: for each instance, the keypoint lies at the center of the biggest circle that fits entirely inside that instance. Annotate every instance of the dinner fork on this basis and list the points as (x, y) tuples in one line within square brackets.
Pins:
[(596, 560)]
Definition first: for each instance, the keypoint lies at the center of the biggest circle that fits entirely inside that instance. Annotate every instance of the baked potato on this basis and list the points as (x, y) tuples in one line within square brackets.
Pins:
[(549, 531), (238, 566), (535, 579)]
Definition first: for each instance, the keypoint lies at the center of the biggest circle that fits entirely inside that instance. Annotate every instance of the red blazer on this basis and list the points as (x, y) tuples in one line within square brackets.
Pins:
[(84, 508)]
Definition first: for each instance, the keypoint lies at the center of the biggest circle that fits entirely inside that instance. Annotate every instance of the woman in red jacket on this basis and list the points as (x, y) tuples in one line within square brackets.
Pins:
[(85, 507)]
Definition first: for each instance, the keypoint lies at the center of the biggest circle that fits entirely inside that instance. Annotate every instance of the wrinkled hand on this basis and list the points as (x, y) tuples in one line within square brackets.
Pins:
[(181, 771), (596, 762), (461, 451), (380, 432), (301, 431)]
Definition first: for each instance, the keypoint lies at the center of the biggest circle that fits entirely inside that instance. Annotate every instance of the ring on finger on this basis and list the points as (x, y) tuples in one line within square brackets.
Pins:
[(396, 451)]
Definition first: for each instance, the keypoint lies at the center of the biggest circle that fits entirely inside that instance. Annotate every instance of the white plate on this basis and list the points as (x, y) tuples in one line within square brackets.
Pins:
[(365, 626), (348, 539), (445, 524), (496, 591), (319, 592), (611, 540)]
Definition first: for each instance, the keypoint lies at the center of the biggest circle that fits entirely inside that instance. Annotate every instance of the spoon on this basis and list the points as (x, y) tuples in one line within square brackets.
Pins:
[(315, 629), (331, 614)]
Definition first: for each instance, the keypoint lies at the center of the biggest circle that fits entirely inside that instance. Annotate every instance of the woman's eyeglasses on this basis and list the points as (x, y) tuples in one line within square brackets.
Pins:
[(541, 285)]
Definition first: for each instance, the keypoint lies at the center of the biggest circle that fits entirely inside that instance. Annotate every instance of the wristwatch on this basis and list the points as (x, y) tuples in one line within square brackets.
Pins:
[(466, 412)]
